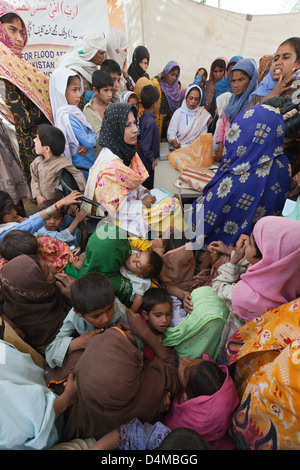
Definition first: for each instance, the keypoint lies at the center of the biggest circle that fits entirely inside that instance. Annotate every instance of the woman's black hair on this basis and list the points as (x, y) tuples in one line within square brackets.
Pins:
[(207, 379), (18, 242), (289, 109), (91, 292), (9, 17), (71, 78), (295, 42)]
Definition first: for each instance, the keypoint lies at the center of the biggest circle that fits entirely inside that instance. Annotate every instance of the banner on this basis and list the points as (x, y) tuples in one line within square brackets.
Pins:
[(55, 27)]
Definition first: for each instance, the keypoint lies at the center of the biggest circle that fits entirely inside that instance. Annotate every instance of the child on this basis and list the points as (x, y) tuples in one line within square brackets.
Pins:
[(112, 67), (149, 148), (140, 267), (94, 110), (49, 146), (10, 220), (95, 308), (65, 90), (207, 401), (157, 312), (54, 227)]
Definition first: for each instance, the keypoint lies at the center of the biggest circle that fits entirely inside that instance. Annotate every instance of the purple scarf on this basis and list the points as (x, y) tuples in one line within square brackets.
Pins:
[(172, 92)]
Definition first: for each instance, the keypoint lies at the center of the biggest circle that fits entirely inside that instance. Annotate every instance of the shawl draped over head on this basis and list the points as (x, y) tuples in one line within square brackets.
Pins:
[(121, 389), (238, 103), (251, 181), (61, 109), (31, 303), (267, 352), (106, 251), (80, 58), (209, 415), (134, 69), (112, 131), (274, 280), (117, 44), (171, 92), (29, 80)]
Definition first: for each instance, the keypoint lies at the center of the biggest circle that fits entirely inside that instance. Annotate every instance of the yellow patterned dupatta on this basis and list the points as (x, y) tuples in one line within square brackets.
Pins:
[(266, 354), (110, 181)]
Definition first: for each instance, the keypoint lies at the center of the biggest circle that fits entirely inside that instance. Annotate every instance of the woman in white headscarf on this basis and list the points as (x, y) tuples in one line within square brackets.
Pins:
[(117, 49), (86, 57), (190, 120)]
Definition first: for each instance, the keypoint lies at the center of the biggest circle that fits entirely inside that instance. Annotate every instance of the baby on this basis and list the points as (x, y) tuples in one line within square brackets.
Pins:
[(140, 267)]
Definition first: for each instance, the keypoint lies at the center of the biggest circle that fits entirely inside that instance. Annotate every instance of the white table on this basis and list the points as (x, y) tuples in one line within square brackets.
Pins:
[(164, 177)]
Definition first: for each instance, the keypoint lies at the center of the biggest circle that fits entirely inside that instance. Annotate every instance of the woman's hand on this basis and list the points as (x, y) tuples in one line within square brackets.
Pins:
[(175, 144), (187, 303), (81, 341), (148, 200), (72, 198)]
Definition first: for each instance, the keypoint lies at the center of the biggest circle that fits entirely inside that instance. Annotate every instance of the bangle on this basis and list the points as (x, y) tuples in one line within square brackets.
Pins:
[(49, 212)]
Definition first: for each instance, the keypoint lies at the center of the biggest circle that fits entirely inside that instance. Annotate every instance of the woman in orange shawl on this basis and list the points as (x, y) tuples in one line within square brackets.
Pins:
[(266, 355), (23, 88)]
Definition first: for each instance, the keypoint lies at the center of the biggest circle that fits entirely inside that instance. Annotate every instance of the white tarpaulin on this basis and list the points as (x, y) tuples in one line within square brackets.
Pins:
[(183, 30)]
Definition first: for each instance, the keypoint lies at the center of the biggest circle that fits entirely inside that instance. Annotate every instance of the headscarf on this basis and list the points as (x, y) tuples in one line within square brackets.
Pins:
[(112, 131), (171, 91), (221, 103), (184, 108), (223, 85), (274, 280), (134, 69), (239, 103), (209, 415), (121, 389), (106, 251), (29, 80), (117, 43), (30, 302), (61, 109), (79, 59)]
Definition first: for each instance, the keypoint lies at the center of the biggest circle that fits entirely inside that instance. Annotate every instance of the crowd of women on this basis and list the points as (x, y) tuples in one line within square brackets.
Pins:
[(131, 335)]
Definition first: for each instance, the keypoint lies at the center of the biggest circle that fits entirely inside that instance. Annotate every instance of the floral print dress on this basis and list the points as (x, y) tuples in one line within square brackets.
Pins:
[(252, 181)]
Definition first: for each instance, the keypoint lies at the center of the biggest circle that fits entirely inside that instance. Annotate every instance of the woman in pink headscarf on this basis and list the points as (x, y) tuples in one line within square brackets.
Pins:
[(274, 278)]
